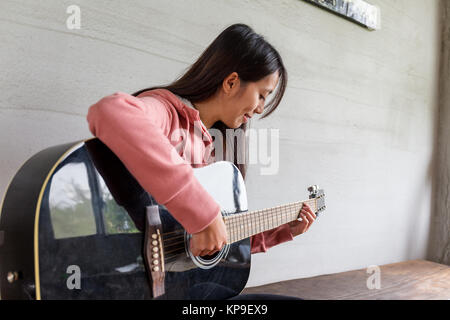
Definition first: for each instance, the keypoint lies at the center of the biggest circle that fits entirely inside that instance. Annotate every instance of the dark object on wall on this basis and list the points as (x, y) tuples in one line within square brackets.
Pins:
[(357, 11)]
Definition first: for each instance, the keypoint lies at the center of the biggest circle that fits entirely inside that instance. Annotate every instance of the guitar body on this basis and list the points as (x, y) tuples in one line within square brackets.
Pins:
[(72, 226)]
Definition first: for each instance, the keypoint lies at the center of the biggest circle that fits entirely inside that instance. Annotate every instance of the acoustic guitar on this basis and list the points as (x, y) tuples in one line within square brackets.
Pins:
[(75, 224)]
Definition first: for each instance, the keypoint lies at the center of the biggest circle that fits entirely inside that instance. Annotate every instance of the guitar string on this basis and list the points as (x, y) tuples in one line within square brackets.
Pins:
[(172, 244), (287, 212), (246, 217), (246, 220), (174, 252), (246, 223), (172, 258), (249, 220), (280, 210)]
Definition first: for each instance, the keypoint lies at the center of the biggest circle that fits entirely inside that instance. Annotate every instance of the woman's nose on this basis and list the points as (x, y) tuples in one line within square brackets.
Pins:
[(260, 108)]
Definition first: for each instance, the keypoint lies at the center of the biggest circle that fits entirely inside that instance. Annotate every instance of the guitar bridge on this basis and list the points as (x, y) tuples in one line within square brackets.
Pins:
[(153, 251)]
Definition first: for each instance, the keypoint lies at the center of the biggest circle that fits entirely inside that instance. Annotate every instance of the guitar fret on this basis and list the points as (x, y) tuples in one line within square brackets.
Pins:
[(246, 231), (272, 225)]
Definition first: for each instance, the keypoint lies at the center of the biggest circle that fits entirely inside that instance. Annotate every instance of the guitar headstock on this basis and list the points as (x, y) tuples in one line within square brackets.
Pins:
[(319, 195)]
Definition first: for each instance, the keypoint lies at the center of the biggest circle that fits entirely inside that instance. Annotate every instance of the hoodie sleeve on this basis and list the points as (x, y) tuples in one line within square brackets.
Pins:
[(136, 130), (261, 242)]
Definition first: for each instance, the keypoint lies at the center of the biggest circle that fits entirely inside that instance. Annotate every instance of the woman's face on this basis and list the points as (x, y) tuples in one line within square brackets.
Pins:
[(246, 99)]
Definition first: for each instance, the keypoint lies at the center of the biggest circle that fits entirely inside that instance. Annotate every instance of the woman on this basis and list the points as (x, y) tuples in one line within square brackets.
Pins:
[(222, 90)]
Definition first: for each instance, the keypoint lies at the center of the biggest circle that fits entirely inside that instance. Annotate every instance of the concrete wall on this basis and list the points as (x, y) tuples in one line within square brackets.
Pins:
[(359, 117)]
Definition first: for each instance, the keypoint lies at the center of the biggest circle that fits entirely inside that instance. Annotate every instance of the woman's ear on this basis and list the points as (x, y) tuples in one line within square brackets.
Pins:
[(231, 82)]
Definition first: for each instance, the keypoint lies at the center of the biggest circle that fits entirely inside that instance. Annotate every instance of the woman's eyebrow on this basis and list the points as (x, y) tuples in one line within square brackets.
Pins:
[(270, 91)]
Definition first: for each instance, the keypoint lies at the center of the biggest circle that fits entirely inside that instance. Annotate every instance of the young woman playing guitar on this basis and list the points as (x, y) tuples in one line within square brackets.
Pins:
[(228, 84)]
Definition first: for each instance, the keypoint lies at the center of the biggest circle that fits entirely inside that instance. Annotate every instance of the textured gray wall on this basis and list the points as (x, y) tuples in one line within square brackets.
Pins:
[(359, 117)]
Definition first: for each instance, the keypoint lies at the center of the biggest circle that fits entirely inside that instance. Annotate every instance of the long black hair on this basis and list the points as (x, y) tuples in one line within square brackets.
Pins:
[(236, 49)]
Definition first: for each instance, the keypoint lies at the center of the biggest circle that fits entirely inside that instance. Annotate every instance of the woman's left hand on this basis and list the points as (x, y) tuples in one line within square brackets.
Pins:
[(308, 217)]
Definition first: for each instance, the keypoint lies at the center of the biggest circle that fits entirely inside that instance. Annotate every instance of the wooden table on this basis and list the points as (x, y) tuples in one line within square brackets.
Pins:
[(409, 280)]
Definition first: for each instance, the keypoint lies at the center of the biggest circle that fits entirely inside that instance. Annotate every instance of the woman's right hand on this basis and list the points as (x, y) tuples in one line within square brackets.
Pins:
[(211, 239)]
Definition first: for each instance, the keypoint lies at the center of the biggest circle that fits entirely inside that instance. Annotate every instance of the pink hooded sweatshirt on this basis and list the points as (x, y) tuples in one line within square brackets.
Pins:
[(145, 133)]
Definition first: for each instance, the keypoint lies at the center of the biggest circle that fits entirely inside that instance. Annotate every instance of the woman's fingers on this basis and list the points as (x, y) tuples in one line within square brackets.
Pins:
[(309, 215), (206, 252), (211, 239), (307, 218), (307, 210)]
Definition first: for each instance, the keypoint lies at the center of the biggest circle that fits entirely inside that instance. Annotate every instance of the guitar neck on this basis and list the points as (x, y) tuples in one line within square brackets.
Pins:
[(246, 224)]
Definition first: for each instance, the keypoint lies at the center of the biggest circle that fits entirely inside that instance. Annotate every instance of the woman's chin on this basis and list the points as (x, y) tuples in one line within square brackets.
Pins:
[(235, 124), (238, 124)]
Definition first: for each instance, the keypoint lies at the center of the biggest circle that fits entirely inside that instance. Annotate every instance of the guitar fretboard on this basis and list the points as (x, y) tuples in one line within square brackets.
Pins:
[(244, 225)]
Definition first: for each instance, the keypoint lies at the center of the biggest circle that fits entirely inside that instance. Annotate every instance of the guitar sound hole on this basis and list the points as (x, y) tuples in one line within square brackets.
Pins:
[(210, 257)]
